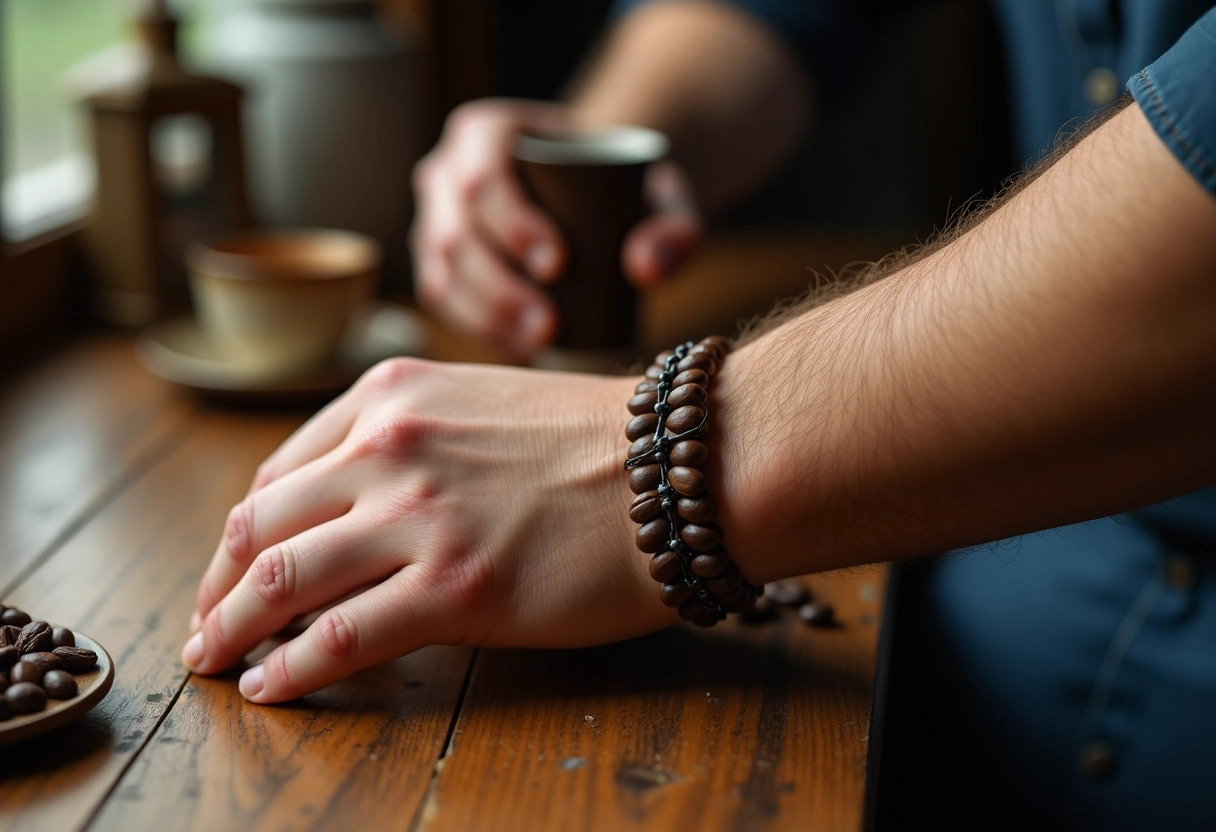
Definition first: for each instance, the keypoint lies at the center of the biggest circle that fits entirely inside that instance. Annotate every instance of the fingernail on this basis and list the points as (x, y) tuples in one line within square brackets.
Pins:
[(192, 653), (533, 328), (541, 259), (196, 621), (251, 683)]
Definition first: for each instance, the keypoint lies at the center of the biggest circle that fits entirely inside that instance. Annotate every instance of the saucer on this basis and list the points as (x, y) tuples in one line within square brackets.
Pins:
[(92, 686), (179, 352)]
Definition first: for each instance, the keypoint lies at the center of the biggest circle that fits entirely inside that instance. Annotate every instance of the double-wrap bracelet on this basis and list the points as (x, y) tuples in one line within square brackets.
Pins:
[(672, 507)]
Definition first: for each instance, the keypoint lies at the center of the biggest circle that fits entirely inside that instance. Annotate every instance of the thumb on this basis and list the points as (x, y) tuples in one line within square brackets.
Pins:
[(658, 246)]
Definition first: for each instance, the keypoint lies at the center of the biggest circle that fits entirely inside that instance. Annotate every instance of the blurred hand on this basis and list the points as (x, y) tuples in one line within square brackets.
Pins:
[(480, 245), (431, 504)]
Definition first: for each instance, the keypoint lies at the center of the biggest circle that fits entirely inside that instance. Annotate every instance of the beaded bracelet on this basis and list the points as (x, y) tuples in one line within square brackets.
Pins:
[(670, 418)]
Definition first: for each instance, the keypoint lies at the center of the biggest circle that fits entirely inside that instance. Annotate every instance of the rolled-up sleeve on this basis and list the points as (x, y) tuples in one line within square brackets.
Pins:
[(1177, 93)]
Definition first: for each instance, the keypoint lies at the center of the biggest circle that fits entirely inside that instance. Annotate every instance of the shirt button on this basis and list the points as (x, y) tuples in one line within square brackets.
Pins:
[(1098, 760), (1101, 86), (1181, 572)]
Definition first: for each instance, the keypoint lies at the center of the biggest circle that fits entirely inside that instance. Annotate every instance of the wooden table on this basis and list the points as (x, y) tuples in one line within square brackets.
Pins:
[(113, 491)]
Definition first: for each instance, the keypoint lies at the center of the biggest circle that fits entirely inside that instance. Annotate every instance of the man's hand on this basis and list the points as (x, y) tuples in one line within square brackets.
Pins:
[(432, 504), (480, 245)]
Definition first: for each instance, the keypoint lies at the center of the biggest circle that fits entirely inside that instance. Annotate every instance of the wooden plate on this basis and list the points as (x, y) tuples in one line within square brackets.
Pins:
[(93, 685)]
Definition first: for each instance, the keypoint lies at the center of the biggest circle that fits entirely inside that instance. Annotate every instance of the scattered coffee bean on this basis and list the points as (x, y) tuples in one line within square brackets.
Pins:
[(37, 662), (59, 684), (44, 661), (817, 614), (25, 672), (764, 610), (25, 698), (14, 617), (789, 592), (35, 637), (76, 659)]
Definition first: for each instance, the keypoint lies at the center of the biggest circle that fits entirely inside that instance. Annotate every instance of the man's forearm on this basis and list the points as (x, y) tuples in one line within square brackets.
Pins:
[(724, 88), (1056, 362)]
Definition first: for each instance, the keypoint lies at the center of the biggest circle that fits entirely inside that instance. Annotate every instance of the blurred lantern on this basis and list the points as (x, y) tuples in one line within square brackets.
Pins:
[(170, 168)]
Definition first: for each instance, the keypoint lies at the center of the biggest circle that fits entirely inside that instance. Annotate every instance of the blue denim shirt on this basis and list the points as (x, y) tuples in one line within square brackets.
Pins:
[(1081, 661)]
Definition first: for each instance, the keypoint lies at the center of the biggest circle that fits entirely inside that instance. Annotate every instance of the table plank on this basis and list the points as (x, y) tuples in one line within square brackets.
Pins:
[(734, 728), (71, 433), (127, 578)]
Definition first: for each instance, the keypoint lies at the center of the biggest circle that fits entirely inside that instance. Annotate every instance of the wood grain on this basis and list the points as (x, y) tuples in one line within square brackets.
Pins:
[(71, 433), (740, 727), (128, 578)]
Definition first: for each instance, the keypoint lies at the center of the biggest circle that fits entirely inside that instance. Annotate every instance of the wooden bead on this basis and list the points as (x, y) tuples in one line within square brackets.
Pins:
[(725, 583), (703, 509), (689, 452), (646, 386), (652, 536), (665, 566), (645, 478), (690, 377), (675, 593), (688, 481), (687, 394), (640, 426), (682, 419), (646, 506), (643, 403), (710, 564), (701, 538), (698, 361)]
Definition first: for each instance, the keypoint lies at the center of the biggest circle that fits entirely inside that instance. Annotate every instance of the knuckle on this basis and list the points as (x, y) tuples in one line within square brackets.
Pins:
[(391, 373), (337, 635), (238, 532), (392, 438), (463, 580), (274, 575), (474, 184)]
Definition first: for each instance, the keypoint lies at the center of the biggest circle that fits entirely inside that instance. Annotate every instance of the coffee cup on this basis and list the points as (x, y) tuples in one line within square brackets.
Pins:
[(277, 303), (591, 183)]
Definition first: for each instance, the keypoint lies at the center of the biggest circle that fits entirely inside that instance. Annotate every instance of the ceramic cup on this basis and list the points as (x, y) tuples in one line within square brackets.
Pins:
[(590, 183), (278, 302)]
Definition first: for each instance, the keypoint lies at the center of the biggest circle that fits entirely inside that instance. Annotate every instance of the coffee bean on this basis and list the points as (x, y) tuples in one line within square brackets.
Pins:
[(689, 452), (683, 419), (44, 661), (763, 610), (25, 698), (817, 614), (652, 536), (76, 659), (35, 637), (645, 507), (25, 672), (14, 617), (701, 509), (665, 566), (701, 538), (640, 426), (644, 478), (675, 593), (59, 684), (643, 403), (710, 564), (698, 361), (789, 592), (36, 661), (726, 583), (62, 637), (688, 481), (691, 377), (687, 394)]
